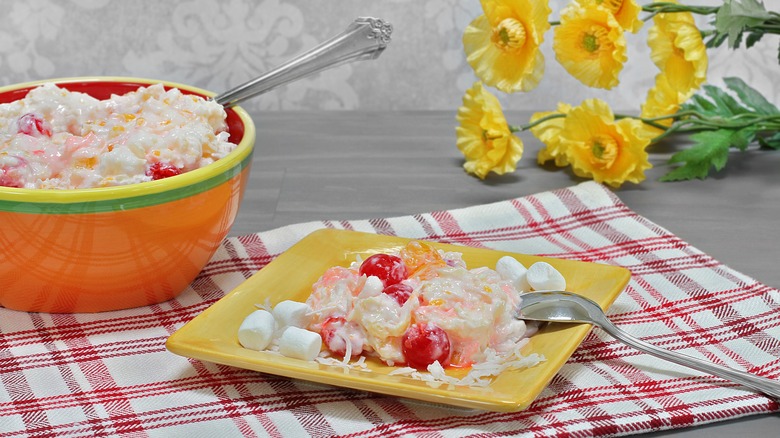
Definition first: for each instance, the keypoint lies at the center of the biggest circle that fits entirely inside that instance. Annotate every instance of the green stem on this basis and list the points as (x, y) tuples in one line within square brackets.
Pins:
[(758, 123), (526, 127), (659, 7), (647, 121), (667, 7), (683, 121)]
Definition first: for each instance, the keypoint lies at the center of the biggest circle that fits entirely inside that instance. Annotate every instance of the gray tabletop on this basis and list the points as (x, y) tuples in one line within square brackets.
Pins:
[(359, 165)]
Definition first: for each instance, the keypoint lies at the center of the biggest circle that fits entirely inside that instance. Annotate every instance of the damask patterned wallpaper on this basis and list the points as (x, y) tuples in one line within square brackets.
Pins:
[(217, 44)]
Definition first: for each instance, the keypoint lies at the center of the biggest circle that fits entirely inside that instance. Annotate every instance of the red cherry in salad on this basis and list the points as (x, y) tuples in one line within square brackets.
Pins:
[(389, 268), (162, 170), (9, 174), (424, 344), (399, 291), (34, 125), (8, 180), (335, 336)]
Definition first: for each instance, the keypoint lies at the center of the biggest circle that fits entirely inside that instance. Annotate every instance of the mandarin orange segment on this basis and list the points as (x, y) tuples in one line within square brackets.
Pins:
[(420, 258)]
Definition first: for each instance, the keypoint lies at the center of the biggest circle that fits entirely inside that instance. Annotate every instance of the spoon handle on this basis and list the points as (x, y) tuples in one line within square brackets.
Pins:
[(761, 384), (365, 38)]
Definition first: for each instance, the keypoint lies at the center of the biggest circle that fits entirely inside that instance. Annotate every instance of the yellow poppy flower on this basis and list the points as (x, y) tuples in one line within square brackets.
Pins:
[(502, 46), (603, 149), (548, 132), (661, 100), (484, 136), (590, 45), (677, 48), (626, 12)]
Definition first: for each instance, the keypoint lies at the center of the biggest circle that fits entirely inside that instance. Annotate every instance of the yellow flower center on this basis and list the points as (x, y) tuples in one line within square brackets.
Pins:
[(510, 34), (604, 149), (611, 5), (594, 38), (488, 135)]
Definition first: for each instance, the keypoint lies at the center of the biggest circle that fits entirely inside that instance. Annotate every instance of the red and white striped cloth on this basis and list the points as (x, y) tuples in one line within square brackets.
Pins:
[(109, 374)]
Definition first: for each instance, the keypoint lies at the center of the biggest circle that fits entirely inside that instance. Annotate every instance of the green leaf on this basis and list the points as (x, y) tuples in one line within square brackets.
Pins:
[(753, 38), (737, 40), (771, 142), (742, 138), (716, 40), (749, 9), (686, 172), (710, 149), (713, 102), (727, 104), (737, 99), (750, 97), (700, 104), (735, 16)]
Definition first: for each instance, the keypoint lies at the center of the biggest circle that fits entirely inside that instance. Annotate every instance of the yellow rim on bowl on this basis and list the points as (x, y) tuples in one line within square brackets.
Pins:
[(50, 201)]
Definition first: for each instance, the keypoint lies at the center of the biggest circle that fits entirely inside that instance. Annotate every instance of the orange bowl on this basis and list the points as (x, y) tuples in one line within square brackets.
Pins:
[(92, 250)]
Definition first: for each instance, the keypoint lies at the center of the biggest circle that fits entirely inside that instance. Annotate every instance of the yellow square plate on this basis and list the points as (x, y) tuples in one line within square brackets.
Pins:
[(213, 335)]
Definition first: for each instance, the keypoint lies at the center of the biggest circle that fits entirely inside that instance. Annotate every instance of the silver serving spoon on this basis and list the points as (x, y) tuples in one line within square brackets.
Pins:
[(558, 306), (365, 38)]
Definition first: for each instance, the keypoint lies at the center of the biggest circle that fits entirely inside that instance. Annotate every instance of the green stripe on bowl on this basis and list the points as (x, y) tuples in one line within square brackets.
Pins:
[(128, 203)]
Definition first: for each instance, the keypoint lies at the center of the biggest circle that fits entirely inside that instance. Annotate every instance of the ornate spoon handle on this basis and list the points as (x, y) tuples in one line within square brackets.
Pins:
[(365, 38)]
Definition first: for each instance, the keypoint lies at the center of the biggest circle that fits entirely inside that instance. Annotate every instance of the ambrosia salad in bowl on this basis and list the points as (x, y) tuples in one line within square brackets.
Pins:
[(114, 192)]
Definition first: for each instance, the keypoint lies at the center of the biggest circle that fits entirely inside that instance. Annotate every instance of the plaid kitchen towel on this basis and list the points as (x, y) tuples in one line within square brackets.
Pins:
[(109, 374)]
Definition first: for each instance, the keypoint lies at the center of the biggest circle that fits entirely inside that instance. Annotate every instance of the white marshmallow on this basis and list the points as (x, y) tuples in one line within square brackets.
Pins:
[(292, 313), (514, 272), (257, 330), (299, 343), (372, 287), (543, 276)]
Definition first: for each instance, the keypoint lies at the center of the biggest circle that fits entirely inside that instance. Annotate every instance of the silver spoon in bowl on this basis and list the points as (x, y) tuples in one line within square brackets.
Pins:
[(567, 307), (365, 38)]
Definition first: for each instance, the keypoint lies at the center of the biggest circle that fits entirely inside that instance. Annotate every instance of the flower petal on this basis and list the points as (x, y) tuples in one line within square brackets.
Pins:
[(548, 132), (590, 45), (600, 148), (502, 46), (483, 135), (677, 48), (626, 12)]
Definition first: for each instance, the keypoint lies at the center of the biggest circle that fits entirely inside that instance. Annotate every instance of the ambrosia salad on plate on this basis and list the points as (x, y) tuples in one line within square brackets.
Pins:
[(419, 309), (416, 307)]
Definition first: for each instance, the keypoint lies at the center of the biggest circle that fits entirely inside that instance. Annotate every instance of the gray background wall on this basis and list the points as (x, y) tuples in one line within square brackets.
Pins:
[(220, 44)]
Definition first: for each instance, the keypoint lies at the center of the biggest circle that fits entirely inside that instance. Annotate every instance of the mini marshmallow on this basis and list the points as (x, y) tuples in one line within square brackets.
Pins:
[(298, 343), (543, 276), (257, 330), (292, 313), (514, 272), (372, 287)]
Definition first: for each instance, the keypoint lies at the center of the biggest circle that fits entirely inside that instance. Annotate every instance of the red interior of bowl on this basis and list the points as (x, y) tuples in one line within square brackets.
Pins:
[(104, 89)]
